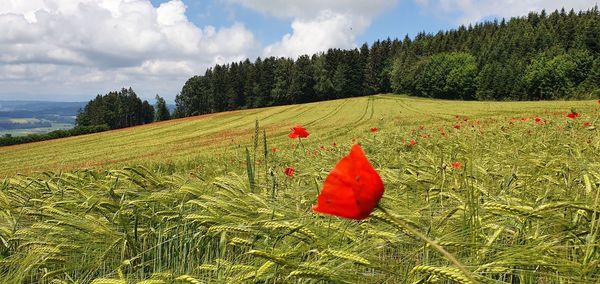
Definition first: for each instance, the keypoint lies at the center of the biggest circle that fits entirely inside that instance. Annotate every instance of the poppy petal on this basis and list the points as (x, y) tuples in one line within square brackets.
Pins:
[(352, 189)]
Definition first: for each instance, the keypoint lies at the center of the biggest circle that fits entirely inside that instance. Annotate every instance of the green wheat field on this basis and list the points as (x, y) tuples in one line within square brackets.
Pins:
[(205, 199)]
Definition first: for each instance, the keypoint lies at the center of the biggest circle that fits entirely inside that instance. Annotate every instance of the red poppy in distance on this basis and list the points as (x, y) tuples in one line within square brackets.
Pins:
[(298, 132), (587, 123), (457, 126), (373, 129), (289, 172), (352, 189), (573, 115), (456, 165)]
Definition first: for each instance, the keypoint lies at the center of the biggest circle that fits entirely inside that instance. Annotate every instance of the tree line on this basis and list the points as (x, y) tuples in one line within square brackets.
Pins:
[(7, 139), (105, 112), (121, 109), (537, 57)]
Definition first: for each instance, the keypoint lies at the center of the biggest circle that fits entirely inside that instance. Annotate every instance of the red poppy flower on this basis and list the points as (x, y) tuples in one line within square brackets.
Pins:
[(273, 149), (289, 171), (587, 123), (298, 132), (352, 189), (573, 115), (599, 102), (457, 126), (412, 143), (373, 129), (456, 165), (538, 120)]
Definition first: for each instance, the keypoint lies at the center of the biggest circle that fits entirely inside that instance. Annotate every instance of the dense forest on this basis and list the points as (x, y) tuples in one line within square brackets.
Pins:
[(538, 57), (116, 110)]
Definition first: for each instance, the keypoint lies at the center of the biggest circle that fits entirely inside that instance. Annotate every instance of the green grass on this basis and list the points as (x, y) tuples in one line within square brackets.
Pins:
[(173, 202)]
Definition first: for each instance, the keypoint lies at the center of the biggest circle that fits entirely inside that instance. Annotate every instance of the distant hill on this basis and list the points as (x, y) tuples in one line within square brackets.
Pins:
[(27, 109), (24, 117), (186, 140)]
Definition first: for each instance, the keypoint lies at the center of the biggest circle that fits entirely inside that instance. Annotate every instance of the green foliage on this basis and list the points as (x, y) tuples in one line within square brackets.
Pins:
[(195, 97), (550, 78), (302, 85), (162, 112), (280, 94), (447, 76), (501, 81), (323, 86), (117, 110)]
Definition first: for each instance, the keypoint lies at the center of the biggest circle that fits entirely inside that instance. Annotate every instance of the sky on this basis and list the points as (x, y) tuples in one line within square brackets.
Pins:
[(72, 50)]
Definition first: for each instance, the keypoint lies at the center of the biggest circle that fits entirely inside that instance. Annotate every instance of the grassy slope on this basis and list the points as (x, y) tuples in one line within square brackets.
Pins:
[(187, 140), (522, 209)]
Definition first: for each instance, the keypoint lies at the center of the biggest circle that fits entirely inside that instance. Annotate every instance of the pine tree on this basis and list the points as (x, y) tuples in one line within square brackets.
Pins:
[(302, 83), (161, 110)]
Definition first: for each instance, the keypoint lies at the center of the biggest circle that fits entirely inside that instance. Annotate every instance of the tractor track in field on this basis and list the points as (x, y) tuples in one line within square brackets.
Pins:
[(250, 123), (404, 105), (330, 114), (204, 129), (354, 124)]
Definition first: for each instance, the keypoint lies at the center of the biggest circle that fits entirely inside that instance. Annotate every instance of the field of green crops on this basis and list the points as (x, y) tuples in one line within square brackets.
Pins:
[(206, 200)]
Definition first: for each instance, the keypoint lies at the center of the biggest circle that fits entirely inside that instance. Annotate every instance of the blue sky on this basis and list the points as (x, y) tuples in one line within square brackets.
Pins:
[(72, 50), (406, 17)]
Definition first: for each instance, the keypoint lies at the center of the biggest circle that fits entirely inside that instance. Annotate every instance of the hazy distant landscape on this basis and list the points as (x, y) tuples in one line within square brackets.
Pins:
[(19, 118), (28, 117)]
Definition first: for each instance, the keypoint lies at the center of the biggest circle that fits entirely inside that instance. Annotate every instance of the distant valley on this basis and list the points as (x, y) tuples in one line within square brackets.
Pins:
[(28, 117)]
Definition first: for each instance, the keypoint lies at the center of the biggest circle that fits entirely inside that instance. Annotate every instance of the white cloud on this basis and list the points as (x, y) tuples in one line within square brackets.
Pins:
[(325, 31), (84, 47), (469, 11), (318, 25), (80, 48), (309, 8)]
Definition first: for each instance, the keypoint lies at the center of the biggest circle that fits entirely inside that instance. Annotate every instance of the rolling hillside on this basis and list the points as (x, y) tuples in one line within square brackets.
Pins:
[(188, 141), (473, 192)]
